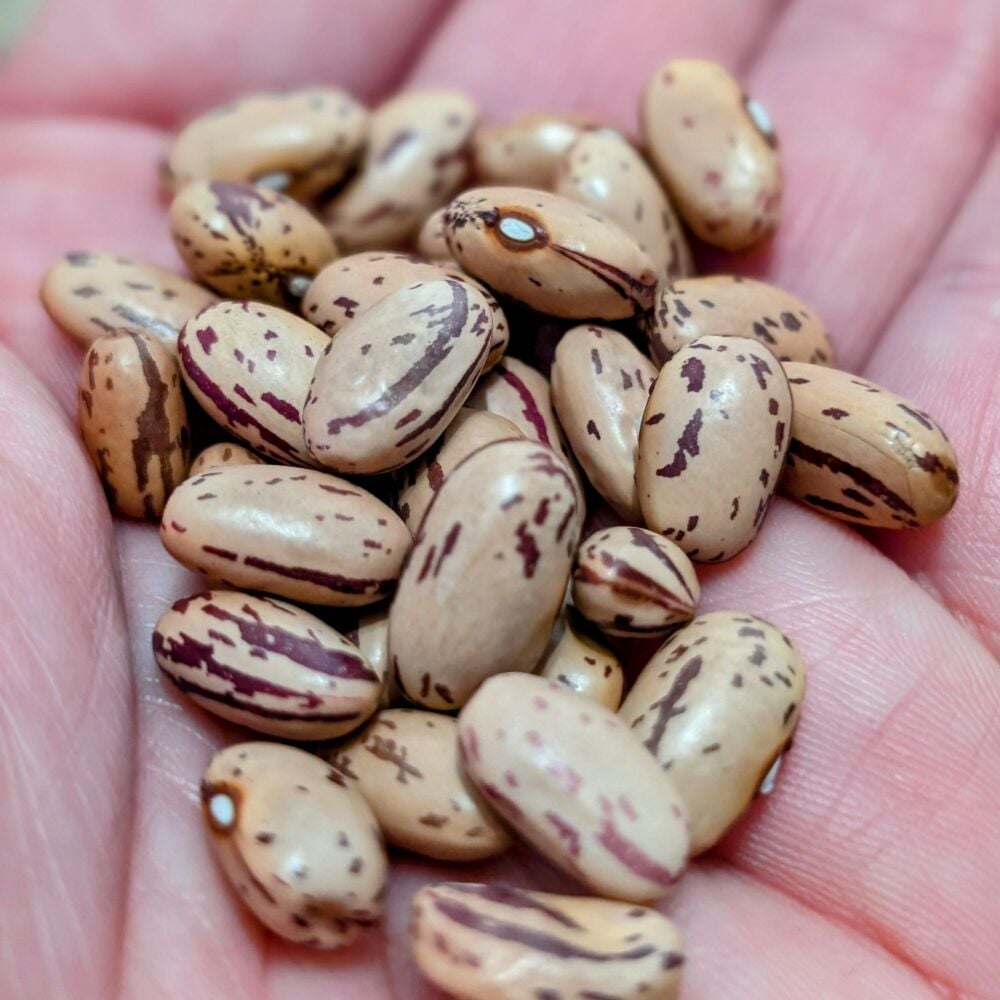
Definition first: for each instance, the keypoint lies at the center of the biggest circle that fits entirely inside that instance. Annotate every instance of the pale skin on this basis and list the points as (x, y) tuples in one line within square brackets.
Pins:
[(872, 870)]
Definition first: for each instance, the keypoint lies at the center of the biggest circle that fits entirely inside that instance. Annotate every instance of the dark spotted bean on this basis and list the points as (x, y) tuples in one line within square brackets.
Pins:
[(526, 151), (577, 661), (216, 456)]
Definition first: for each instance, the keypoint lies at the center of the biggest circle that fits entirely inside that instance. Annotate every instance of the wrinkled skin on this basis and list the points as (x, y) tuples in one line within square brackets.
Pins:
[(873, 869)]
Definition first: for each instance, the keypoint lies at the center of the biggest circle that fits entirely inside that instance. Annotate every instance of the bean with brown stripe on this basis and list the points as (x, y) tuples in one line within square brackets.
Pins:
[(577, 661), (216, 456)]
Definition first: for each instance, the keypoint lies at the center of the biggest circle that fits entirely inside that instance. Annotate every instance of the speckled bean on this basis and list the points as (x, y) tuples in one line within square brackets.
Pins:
[(526, 151), (370, 633), (216, 456), (579, 662), (431, 242)]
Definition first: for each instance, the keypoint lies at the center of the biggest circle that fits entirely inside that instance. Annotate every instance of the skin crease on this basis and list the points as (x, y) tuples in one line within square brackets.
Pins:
[(871, 870)]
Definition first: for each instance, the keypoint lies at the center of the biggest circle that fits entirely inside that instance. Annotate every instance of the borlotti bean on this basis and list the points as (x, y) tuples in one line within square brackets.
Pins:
[(297, 533), (600, 384), (218, 455), (712, 445), (715, 150), (134, 422), (418, 153), (298, 844), (266, 665), (729, 306), (431, 241), (249, 366), (405, 762), (613, 819), (496, 942), (390, 382), (552, 254), (91, 294), (300, 142), (371, 635), (605, 172), (579, 662), (495, 548), (633, 582), (861, 453), (526, 151), (716, 706), (248, 242)]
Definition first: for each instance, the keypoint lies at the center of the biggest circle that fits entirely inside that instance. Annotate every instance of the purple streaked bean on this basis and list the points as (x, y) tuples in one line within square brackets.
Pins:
[(216, 456), (577, 661)]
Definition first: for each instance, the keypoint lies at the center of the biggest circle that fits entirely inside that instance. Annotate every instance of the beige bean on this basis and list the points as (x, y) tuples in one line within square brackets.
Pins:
[(715, 150), (405, 762), (495, 942), (134, 422), (249, 366), (572, 780), (417, 157), (390, 383), (248, 242), (370, 633), (494, 549), (216, 456), (716, 706), (579, 662), (550, 253), (861, 453), (633, 582), (431, 242), (296, 533), (300, 142), (526, 151), (93, 294), (600, 384), (721, 403), (299, 845)]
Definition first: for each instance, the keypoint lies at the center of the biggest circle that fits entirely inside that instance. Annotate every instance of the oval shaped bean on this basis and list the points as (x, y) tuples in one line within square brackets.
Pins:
[(431, 242), (93, 294), (526, 151), (716, 706), (417, 157), (721, 403), (715, 150), (216, 456), (249, 366), (297, 533), (299, 846), (550, 253), (370, 633), (613, 819), (633, 582), (134, 422), (266, 665), (389, 384), (405, 762), (248, 242), (495, 942), (495, 549), (580, 663), (861, 453)]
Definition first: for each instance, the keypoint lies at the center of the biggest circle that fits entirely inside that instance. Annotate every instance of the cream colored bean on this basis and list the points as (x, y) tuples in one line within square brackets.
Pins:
[(296, 533), (715, 150), (299, 846), (216, 456), (861, 453), (370, 634), (575, 783), (526, 151), (134, 422), (431, 242), (721, 403), (495, 942), (550, 253), (405, 763), (716, 706), (579, 662), (495, 549)]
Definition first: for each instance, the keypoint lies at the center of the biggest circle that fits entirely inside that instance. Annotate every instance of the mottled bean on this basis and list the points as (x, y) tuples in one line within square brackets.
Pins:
[(216, 456), (526, 151), (577, 661)]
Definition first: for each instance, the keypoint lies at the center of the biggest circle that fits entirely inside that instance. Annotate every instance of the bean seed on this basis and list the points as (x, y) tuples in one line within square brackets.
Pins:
[(431, 242), (371, 635), (216, 456), (579, 662), (526, 151)]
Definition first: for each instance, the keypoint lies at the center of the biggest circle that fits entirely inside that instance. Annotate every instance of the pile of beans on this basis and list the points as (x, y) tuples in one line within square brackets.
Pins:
[(506, 532)]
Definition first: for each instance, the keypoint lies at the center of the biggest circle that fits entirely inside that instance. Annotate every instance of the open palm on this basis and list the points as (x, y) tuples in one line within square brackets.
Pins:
[(873, 870)]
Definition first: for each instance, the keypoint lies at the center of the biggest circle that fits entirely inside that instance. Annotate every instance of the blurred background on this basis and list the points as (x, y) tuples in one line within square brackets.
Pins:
[(13, 15)]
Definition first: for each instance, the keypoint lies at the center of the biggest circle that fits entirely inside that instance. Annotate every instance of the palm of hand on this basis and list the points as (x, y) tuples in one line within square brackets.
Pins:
[(869, 872)]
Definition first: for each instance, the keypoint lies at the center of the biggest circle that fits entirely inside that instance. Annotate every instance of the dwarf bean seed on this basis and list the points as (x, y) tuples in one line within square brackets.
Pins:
[(431, 242), (579, 662), (526, 151), (216, 456)]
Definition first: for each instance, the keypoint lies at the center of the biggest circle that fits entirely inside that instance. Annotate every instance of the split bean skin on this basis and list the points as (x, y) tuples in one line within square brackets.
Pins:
[(418, 153), (526, 151), (613, 820), (633, 582), (495, 549), (721, 403), (134, 422), (299, 142), (431, 241), (715, 150), (580, 663), (717, 706), (266, 665), (92, 294), (389, 384), (405, 762), (297, 843), (249, 242), (217, 456), (299, 534), (860, 453), (554, 255), (497, 942), (726, 306)]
